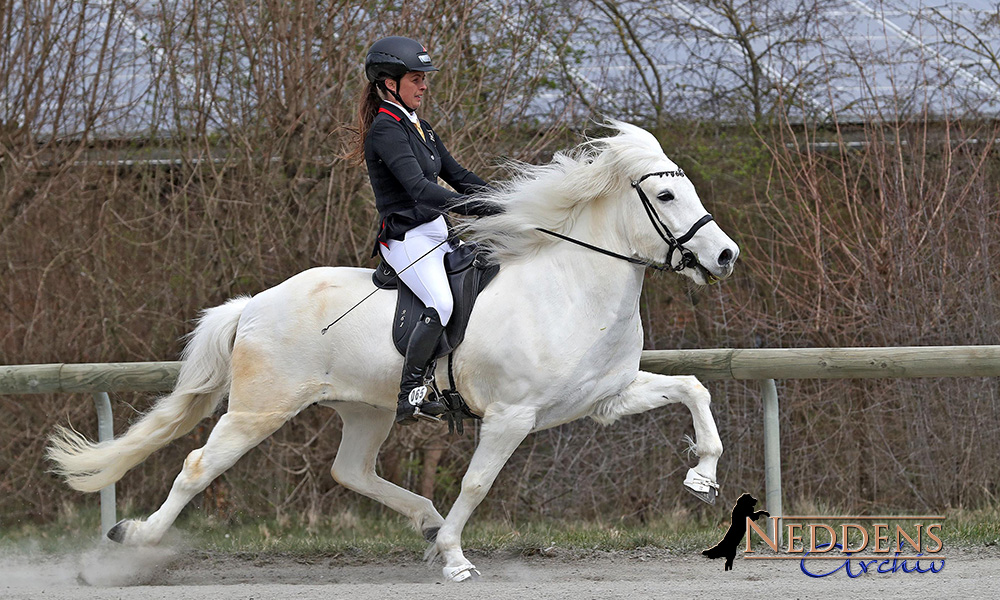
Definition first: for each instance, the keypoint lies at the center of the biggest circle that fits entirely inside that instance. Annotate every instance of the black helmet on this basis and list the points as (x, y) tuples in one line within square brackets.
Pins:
[(393, 57)]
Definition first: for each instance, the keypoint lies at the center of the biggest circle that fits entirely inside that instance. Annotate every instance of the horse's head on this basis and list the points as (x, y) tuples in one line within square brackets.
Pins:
[(664, 220), (619, 194)]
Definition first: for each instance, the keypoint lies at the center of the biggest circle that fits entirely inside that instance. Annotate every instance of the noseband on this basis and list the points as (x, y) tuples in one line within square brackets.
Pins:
[(688, 259)]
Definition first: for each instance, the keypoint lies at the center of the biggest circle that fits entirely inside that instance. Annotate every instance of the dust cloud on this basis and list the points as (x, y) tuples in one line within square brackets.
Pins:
[(27, 570)]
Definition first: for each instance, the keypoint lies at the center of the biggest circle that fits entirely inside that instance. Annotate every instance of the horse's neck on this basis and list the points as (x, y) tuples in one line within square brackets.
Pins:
[(584, 279), (608, 276)]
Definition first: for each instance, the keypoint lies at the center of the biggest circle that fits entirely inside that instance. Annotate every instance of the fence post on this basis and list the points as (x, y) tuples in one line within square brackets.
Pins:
[(106, 432), (772, 455)]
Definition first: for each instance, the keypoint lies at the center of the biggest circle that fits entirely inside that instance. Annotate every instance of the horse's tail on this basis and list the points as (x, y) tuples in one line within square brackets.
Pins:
[(203, 382)]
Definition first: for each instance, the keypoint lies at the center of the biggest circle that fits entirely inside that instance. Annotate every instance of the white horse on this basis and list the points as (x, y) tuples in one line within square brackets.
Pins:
[(555, 337)]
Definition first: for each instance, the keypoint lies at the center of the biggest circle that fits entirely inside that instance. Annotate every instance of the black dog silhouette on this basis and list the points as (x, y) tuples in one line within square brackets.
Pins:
[(737, 528)]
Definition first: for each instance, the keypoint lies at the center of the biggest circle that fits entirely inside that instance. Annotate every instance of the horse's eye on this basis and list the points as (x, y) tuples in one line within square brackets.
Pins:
[(666, 196)]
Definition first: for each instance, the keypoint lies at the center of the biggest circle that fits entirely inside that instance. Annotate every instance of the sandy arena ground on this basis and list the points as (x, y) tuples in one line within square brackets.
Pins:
[(110, 571)]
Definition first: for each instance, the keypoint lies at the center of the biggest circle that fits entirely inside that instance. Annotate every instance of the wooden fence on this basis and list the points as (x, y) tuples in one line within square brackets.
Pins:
[(764, 364)]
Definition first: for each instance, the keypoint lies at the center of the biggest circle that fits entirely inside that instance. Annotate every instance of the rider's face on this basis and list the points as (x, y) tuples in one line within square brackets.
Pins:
[(411, 88)]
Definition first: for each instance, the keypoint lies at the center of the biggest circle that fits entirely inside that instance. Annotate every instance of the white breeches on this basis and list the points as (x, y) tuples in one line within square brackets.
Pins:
[(426, 277)]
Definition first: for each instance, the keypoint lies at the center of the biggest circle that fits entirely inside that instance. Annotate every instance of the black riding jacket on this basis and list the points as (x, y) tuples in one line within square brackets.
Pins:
[(404, 170)]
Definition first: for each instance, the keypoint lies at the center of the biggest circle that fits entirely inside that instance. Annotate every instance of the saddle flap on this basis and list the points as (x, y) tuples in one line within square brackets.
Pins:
[(460, 258), (466, 284)]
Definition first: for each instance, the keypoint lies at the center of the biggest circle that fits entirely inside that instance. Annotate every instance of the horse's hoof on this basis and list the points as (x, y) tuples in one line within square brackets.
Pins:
[(707, 497), (461, 573), (117, 533), (703, 488)]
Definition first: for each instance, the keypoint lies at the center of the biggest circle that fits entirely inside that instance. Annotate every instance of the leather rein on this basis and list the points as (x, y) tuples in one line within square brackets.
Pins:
[(688, 258)]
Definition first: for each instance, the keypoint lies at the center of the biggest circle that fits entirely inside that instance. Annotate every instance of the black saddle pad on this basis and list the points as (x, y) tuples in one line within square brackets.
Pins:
[(467, 275)]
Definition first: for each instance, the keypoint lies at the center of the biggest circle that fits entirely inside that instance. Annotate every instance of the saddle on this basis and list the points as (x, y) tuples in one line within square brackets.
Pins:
[(468, 275)]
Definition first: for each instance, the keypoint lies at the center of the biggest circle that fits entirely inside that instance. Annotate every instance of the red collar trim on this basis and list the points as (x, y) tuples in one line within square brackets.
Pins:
[(390, 113)]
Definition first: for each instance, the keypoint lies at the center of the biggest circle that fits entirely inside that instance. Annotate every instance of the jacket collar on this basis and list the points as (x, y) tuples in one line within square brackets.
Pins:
[(396, 110), (402, 117)]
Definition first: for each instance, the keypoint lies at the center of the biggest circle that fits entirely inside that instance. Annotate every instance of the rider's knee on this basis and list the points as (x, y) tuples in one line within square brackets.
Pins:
[(444, 307)]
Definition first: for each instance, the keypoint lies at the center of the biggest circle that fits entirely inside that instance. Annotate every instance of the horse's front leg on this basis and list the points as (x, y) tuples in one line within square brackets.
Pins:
[(502, 431), (649, 391)]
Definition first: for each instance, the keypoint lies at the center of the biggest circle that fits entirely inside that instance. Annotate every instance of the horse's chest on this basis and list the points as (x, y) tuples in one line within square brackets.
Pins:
[(578, 401), (580, 382)]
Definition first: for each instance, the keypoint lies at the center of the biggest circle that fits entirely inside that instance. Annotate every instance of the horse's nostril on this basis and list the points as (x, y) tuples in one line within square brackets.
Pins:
[(726, 257)]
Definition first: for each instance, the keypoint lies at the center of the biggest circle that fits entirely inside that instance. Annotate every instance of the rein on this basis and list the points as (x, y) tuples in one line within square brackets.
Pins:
[(688, 259)]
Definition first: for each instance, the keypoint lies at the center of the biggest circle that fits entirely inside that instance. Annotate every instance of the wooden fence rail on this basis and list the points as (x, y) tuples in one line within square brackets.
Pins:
[(711, 364), (764, 364)]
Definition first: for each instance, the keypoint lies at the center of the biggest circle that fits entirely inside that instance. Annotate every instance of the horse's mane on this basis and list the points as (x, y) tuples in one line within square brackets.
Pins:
[(551, 196)]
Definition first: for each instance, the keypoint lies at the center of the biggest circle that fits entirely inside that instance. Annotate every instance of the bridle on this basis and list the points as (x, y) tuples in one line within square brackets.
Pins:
[(688, 258)]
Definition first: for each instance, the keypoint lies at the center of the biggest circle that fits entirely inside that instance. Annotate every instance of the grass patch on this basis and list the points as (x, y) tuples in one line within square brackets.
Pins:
[(370, 538), (972, 529)]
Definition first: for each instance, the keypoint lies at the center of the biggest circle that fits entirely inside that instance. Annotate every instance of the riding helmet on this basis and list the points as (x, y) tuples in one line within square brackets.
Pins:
[(393, 57)]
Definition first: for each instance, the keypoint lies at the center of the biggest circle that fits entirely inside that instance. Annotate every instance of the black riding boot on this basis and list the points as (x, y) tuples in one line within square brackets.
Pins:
[(413, 394)]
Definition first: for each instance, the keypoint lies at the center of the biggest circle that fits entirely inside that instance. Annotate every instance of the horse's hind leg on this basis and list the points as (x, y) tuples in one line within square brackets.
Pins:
[(234, 435), (365, 429)]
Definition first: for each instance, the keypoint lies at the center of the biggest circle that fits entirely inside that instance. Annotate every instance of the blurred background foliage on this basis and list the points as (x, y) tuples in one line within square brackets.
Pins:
[(157, 158)]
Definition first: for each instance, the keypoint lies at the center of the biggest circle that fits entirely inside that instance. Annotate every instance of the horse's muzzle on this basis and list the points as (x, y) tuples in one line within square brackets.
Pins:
[(722, 269)]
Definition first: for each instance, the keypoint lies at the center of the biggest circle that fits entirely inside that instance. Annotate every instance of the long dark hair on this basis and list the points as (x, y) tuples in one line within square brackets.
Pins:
[(368, 104)]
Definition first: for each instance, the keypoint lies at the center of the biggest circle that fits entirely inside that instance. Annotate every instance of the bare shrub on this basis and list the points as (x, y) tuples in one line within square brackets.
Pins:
[(231, 179)]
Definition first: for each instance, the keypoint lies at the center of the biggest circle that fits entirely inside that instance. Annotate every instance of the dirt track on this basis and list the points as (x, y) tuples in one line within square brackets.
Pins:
[(148, 574)]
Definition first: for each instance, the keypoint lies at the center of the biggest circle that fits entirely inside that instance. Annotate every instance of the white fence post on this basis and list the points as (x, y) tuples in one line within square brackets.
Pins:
[(106, 432), (772, 455)]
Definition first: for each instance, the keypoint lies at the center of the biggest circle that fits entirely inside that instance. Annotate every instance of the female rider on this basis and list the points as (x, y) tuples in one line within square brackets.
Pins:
[(404, 158)]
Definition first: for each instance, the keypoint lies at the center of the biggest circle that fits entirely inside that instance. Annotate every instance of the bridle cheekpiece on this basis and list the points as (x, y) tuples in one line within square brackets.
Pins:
[(688, 259)]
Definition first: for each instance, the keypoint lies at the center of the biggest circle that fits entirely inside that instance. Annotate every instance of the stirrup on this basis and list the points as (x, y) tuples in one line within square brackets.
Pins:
[(427, 401)]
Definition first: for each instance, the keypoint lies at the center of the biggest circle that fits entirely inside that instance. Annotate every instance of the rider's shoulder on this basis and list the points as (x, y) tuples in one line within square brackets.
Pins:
[(384, 124)]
